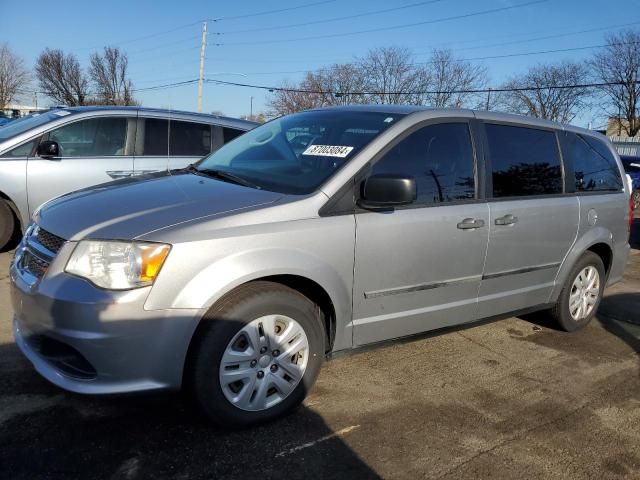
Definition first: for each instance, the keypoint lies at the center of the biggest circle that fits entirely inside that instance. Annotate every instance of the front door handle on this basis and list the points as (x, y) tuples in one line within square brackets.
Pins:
[(470, 223), (506, 220)]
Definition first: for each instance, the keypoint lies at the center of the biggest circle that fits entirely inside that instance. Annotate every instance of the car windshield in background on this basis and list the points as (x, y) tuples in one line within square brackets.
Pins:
[(21, 125), (297, 153)]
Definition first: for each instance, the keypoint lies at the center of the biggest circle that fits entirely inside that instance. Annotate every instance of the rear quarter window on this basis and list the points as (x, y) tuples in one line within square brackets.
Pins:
[(595, 167)]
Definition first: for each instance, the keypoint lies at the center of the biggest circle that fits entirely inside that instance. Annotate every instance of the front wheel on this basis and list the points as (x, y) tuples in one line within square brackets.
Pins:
[(7, 224), (581, 295), (257, 354)]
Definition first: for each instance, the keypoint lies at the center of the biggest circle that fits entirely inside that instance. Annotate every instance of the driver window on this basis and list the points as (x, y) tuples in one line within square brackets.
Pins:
[(440, 159), (95, 137)]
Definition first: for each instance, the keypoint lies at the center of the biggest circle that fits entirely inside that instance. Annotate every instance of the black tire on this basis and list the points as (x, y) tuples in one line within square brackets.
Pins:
[(560, 310), (221, 324), (7, 224)]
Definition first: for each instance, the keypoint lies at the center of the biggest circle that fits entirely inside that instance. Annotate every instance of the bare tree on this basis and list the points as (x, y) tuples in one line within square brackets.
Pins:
[(61, 77), (451, 81), (109, 75), (391, 76), (339, 84), (557, 104), (13, 75), (619, 66)]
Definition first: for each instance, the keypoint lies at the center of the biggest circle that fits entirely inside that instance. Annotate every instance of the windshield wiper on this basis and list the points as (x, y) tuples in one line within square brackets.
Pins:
[(222, 175)]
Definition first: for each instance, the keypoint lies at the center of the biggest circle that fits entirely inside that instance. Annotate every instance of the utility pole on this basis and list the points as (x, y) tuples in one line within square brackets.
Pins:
[(488, 98), (203, 47), (251, 109)]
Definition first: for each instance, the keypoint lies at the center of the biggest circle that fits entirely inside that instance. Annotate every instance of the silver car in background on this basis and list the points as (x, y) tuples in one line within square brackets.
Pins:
[(66, 149), (316, 233)]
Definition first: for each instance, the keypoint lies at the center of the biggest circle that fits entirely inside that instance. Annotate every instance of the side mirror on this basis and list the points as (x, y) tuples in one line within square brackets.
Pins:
[(387, 191), (48, 149)]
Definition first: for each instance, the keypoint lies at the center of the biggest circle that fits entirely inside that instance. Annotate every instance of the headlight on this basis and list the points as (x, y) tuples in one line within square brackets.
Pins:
[(117, 265)]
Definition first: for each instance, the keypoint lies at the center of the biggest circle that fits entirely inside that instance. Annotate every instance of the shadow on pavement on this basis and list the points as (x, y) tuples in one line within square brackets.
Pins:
[(48, 433)]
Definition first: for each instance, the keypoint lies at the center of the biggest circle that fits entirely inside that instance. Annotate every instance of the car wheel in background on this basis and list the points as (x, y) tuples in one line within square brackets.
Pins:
[(581, 295), (256, 355), (635, 198), (7, 224)]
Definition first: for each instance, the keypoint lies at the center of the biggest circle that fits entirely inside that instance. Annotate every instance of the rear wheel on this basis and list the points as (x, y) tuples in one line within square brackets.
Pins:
[(7, 224), (257, 355), (581, 294), (635, 198)]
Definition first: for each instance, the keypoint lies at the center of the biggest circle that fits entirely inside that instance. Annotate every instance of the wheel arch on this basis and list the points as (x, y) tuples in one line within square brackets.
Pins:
[(303, 285), (599, 241)]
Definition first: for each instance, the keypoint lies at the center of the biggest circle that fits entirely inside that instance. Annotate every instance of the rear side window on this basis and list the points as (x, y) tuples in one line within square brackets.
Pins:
[(156, 137), (189, 139), (524, 161), (439, 158), (594, 165)]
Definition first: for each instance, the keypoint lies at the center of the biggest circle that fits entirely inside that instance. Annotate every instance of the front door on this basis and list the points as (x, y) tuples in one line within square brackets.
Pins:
[(92, 151), (419, 268)]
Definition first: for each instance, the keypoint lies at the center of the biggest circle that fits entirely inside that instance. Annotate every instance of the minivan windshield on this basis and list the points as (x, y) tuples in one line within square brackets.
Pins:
[(295, 154), (23, 124)]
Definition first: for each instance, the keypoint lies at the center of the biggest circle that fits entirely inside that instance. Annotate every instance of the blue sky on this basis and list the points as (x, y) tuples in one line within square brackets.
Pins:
[(252, 51)]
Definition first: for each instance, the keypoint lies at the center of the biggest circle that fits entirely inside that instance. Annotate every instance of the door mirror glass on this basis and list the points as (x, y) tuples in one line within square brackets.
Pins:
[(48, 149), (388, 191)]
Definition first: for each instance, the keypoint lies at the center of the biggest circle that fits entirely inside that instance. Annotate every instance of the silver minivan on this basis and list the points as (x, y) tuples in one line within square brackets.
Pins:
[(66, 149), (315, 233)]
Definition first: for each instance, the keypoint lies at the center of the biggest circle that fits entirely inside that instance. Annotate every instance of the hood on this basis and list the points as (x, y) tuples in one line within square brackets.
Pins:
[(128, 208)]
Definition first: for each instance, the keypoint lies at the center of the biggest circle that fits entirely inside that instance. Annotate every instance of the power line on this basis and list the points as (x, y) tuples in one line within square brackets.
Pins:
[(488, 57), (328, 20), (269, 12), (395, 27), (419, 92)]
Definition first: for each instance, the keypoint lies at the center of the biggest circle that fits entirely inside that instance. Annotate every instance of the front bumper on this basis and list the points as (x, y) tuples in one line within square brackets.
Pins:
[(88, 340)]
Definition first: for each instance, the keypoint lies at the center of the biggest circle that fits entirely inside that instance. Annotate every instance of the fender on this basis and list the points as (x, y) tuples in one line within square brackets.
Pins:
[(594, 235), (229, 272)]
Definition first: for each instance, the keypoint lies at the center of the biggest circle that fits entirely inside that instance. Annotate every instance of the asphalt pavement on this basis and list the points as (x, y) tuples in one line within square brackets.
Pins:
[(513, 398)]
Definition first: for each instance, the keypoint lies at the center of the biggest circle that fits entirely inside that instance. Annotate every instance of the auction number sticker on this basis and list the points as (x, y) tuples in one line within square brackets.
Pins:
[(328, 151)]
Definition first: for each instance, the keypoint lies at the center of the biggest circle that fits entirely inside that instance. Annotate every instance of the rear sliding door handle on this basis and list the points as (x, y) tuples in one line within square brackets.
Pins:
[(470, 223), (506, 220)]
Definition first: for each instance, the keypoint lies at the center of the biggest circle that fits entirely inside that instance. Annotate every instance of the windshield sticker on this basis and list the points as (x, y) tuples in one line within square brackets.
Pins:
[(61, 113), (328, 151)]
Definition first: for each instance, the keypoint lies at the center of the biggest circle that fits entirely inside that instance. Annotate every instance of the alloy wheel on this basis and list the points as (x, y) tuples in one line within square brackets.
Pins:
[(585, 291)]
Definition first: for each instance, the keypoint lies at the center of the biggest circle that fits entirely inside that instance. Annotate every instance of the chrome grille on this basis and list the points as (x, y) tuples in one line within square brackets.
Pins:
[(34, 265), (51, 242)]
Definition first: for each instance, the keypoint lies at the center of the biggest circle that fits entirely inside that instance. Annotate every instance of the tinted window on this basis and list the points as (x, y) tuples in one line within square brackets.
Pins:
[(593, 163), (21, 151), (230, 133), (189, 139), (92, 137), (156, 137), (524, 161), (439, 157)]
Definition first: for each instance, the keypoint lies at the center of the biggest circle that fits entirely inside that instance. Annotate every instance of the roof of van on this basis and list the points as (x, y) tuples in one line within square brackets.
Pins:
[(204, 116), (480, 114)]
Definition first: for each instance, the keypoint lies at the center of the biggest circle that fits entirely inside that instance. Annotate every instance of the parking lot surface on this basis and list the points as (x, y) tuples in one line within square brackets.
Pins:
[(514, 398)]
